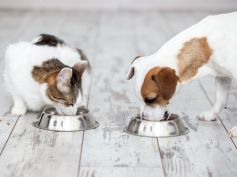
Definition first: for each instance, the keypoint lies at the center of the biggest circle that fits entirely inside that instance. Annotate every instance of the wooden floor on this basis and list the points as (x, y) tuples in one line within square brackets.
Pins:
[(112, 40)]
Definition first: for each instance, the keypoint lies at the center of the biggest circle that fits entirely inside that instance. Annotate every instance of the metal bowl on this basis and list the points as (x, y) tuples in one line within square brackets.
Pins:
[(49, 119), (165, 128)]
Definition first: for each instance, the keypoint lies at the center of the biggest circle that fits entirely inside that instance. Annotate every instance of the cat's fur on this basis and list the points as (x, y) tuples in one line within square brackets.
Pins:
[(46, 71)]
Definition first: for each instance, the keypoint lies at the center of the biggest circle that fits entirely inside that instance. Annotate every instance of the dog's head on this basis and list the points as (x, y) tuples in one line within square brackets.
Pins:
[(63, 84), (154, 86)]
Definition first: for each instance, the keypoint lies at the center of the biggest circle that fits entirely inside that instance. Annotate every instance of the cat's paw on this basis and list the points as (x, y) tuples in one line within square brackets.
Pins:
[(233, 132), (20, 110), (207, 116)]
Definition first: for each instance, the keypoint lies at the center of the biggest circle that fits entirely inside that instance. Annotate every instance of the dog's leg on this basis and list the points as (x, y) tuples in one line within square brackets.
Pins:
[(223, 85)]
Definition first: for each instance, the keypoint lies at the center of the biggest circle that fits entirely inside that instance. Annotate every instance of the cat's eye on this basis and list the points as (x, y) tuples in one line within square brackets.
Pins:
[(60, 98), (68, 104)]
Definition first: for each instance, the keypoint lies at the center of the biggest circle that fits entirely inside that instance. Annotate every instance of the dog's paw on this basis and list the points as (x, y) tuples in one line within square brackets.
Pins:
[(207, 116), (233, 132), (20, 110)]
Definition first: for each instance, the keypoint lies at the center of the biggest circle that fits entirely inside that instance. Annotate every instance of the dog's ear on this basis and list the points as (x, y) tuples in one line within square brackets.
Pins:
[(137, 57), (63, 80), (166, 81), (131, 73)]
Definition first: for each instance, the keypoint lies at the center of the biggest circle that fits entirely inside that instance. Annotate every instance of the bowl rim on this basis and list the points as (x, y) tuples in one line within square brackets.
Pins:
[(156, 121), (84, 116), (46, 112), (137, 118), (148, 136), (36, 124)]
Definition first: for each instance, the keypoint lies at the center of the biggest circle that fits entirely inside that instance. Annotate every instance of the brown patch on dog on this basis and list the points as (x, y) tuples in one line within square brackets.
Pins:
[(159, 86), (48, 73), (194, 54)]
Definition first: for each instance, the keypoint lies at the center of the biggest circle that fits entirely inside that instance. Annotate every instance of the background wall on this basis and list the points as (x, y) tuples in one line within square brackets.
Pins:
[(119, 4)]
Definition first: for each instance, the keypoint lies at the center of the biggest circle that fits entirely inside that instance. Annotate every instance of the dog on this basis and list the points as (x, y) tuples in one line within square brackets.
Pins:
[(46, 71), (206, 48)]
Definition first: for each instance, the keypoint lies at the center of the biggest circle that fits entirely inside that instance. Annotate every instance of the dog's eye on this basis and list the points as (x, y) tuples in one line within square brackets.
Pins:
[(150, 100)]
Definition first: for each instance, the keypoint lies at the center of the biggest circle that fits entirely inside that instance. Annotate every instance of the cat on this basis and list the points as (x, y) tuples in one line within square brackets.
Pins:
[(46, 71)]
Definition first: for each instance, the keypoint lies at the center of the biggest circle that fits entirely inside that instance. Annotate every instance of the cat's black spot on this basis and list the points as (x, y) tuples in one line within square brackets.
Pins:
[(49, 40), (83, 56)]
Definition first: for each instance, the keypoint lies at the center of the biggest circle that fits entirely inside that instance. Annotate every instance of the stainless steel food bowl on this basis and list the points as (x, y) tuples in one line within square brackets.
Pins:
[(165, 128), (49, 119)]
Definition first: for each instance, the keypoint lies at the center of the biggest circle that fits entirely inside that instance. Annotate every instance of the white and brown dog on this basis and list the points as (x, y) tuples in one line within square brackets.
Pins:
[(206, 48)]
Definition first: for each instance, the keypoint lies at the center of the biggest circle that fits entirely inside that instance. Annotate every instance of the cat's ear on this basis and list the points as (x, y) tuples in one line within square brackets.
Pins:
[(63, 80), (80, 67)]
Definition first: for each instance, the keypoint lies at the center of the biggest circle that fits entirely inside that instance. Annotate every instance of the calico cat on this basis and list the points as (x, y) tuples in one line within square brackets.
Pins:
[(46, 71)]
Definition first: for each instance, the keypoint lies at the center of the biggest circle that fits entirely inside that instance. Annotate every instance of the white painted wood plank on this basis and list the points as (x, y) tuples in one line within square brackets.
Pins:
[(33, 152), (80, 29), (149, 28), (206, 150), (107, 150), (120, 4), (7, 124), (118, 171)]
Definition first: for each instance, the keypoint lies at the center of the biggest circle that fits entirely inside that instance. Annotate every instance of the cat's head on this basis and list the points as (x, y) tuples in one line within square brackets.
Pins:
[(63, 84)]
